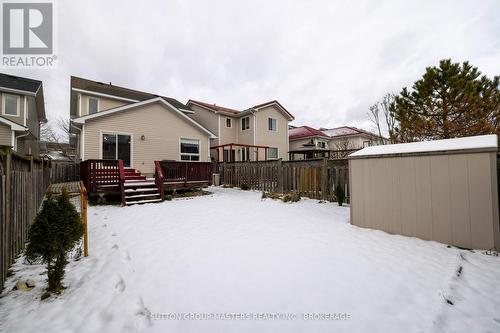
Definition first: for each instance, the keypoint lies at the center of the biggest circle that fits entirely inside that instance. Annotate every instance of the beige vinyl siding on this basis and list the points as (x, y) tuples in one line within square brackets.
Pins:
[(229, 135), (104, 103), (277, 139), (18, 119), (208, 119), (449, 198), (161, 127), (5, 135), (246, 137)]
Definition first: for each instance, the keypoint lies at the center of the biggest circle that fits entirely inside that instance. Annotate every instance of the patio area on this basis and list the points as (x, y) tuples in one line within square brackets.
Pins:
[(263, 266)]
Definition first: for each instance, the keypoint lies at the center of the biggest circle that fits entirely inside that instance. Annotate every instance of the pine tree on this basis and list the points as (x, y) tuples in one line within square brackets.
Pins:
[(56, 231), (452, 100)]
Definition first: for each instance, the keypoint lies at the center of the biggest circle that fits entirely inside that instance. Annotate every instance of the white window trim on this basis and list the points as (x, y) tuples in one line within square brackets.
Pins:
[(118, 133), (88, 104), (231, 120), (241, 123), (181, 153), (277, 153), (18, 105)]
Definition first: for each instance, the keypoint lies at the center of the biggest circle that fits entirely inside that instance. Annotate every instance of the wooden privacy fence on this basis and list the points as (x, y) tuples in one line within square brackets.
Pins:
[(311, 178), (23, 184)]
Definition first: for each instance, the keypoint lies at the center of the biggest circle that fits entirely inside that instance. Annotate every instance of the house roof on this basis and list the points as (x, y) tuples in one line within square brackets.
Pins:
[(13, 125), (214, 107), (234, 112), (124, 108), (345, 131), (19, 83), (303, 132), (117, 91)]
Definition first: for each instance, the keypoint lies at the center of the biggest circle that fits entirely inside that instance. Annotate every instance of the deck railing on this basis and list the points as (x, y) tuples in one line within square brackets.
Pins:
[(183, 172), (100, 174)]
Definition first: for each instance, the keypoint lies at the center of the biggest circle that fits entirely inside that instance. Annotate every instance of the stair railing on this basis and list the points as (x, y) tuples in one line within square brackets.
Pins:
[(159, 179), (122, 180)]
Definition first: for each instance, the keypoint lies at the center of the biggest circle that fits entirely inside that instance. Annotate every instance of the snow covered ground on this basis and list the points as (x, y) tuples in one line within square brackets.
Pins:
[(233, 254)]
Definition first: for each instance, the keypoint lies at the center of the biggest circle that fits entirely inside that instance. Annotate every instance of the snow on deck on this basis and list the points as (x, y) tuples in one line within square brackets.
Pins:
[(233, 253), (472, 142)]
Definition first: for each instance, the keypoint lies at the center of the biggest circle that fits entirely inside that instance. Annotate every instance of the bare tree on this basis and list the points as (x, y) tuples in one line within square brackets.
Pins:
[(343, 147), (374, 115), (57, 132)]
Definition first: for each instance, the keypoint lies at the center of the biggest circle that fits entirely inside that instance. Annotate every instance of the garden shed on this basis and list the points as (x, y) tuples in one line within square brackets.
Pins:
[(443, 190)]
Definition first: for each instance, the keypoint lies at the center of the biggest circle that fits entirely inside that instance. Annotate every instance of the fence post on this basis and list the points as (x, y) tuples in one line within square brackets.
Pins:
[(324, 180), (31, 211), (279, 167)]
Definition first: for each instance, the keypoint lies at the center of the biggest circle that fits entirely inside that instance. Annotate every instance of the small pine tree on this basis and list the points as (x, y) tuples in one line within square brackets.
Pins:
[(57, 229), (339, 194)]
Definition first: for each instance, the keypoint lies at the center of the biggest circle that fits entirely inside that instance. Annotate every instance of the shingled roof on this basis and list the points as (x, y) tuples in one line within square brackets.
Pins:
[(19, 83), (110, 89), (303, 132), (215, 107)]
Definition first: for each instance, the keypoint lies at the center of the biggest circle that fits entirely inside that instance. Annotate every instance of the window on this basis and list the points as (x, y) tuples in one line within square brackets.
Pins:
[(321, 144), (272, 124), (229, 122), (190, 150), (367, 144), (272, 153), (245, 123), (116, 147), (10, 105), (93, 105)]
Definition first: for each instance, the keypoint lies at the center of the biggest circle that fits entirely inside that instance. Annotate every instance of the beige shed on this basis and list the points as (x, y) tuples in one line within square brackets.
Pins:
[(443, 190)]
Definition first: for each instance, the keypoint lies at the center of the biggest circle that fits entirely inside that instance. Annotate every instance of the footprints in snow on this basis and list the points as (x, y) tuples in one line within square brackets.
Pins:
[(120, 285)]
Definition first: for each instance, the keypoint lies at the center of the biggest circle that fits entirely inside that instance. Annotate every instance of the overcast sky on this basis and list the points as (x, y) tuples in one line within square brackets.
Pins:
[(325, 61)]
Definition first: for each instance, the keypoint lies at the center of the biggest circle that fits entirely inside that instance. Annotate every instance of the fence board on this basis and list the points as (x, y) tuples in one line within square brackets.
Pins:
[(311, 178)]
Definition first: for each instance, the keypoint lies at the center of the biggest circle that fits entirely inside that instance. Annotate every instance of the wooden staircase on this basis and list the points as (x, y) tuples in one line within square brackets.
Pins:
[(138, 189)]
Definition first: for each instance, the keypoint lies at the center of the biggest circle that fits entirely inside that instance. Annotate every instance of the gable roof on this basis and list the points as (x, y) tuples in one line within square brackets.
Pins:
[(346, 131), (238, 113), (78, 83), (161, 100), (303, 132)]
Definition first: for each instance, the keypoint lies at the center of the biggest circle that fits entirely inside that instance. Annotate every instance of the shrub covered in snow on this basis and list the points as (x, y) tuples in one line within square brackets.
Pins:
[(245, 186), (291, 197), (56, 231)]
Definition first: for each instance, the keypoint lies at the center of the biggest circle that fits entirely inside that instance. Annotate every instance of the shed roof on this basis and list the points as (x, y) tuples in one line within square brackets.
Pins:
[(486, 142)]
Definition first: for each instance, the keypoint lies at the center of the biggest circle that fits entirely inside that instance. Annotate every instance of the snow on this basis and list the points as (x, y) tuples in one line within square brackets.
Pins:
[(472, 142), (339, 131), (232, 252)]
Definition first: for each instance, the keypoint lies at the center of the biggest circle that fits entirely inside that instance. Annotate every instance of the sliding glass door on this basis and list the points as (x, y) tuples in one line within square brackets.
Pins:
[(117, 147)]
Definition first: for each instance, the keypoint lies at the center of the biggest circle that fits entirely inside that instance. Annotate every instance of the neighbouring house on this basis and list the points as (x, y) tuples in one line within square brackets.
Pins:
[(307, 143), (57, 151), (257, 133), (117, 123), (23, 109), (347, 139)]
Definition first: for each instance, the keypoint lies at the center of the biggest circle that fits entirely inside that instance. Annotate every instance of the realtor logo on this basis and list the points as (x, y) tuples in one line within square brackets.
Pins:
[(28, 29)]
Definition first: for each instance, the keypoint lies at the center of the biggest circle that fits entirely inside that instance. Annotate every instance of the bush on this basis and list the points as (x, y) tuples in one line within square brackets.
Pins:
[(244, 187), (168, 197), (291, 197), (339, 194), (271, 195), (56, 231)]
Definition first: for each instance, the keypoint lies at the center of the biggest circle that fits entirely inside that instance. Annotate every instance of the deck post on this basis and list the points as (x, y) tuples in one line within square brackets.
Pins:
[(83, 194), (265, 154), (279, 170)]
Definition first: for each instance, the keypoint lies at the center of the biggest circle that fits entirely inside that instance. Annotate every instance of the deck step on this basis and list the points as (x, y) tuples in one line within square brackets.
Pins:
[(140, 190), (140, 202), (139, 196)]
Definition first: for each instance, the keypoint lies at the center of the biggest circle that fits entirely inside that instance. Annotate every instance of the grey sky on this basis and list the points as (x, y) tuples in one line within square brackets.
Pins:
[(325, 61)]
